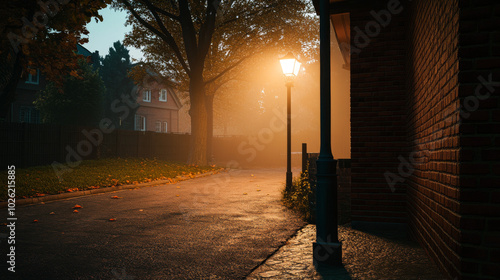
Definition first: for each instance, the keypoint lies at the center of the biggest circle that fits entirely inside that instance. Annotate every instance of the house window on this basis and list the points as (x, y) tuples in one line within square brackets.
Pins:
[(29, 115), (165, 125), (24, 114), (140, 123), (146, 95), (163, 95), (33, 79), (158, 126)]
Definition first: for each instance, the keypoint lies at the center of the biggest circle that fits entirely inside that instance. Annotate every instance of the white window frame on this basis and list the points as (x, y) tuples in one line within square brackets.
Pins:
[(146, 95), (140, 123), (165, 125), (34, 80), (158, 126), (163, 95)]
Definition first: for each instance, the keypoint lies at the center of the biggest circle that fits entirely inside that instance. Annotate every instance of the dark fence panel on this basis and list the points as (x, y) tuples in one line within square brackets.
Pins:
[(343, 190), (26, 145)]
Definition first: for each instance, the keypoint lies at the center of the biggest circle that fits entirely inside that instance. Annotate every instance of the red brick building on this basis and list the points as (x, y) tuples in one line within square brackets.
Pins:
[(425, 124), (158, 108)]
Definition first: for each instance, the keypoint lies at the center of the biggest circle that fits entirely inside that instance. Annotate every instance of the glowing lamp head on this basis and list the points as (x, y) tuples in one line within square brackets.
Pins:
[(290, 66)]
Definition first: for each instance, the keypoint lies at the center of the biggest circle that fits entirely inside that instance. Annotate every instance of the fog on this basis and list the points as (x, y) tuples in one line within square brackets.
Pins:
[(253, 109)]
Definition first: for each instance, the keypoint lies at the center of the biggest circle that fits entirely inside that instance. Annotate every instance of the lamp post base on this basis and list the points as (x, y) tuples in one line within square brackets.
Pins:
[(327, 254)]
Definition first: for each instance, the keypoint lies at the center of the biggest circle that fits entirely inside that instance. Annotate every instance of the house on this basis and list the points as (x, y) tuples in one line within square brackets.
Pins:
[(425, 124), (22, 109), (158, 109)]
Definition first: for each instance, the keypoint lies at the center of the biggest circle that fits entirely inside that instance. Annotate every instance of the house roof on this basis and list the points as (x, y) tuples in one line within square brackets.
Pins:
[(82, 50), (176, 98)]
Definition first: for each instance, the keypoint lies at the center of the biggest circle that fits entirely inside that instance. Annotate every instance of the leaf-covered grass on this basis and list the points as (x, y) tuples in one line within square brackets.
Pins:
[(92, 174)]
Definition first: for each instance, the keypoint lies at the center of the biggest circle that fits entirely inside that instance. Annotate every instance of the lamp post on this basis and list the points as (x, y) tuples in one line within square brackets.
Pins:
[(327, 250), (290, 66)]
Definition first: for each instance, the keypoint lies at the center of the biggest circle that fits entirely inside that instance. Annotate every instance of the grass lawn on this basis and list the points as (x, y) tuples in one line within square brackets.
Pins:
[(92, 174)]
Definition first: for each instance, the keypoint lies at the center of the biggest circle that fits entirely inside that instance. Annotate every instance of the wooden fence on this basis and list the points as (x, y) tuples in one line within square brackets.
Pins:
[(25, 145)]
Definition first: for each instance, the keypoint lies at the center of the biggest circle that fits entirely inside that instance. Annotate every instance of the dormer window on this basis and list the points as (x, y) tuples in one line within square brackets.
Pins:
[(163, 95), (146, 95), (33, 79)]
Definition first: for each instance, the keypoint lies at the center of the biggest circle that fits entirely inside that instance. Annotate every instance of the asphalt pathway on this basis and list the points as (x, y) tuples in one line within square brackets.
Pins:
[(216, 227)]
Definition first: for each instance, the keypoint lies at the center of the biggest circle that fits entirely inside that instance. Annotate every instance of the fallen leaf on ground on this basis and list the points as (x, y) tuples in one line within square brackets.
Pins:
[(177, 195), (258, 190), (178, 187), (141, 210), (245, 193), (35, 221), (75, 211), (77, 206), (115, 197), (52, 213), (112, 220)]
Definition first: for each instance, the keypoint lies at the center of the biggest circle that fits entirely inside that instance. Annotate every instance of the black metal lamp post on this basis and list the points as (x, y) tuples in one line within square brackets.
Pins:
[(290, 66), (327, 250)]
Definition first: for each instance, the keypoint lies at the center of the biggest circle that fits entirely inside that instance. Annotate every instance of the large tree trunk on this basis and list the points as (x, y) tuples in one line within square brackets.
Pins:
[(198, 112), (210, 126)]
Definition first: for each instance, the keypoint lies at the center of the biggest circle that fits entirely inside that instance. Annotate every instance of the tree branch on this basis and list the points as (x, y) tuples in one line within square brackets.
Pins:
[(161, 11), (167, 37), (246, 14), (189, 36), (227, 70), (207, 28)]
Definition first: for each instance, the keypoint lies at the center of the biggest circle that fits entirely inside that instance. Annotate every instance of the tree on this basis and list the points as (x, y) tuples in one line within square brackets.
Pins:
[(198, 43), (78, 103), (114, 72), (41, 34)]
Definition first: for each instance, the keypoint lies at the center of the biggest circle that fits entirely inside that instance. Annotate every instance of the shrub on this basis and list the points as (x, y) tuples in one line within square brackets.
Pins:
[(298, 197)]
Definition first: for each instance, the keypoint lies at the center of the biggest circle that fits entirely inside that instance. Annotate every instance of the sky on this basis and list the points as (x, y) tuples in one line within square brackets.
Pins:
[(103, 34)]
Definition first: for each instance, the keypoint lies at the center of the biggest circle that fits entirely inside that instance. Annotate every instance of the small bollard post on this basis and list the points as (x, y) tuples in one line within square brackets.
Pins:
[(304, 157)]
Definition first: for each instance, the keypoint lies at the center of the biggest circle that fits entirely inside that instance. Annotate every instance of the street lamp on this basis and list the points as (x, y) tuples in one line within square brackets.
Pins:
[(290, 66), (327, 250)]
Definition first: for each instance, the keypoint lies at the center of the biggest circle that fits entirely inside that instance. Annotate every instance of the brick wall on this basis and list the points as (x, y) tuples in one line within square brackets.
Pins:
[(156, 110), (425, 110), (453, 193), (153, 115), (433, 130), (479, 52), (377, 116)]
